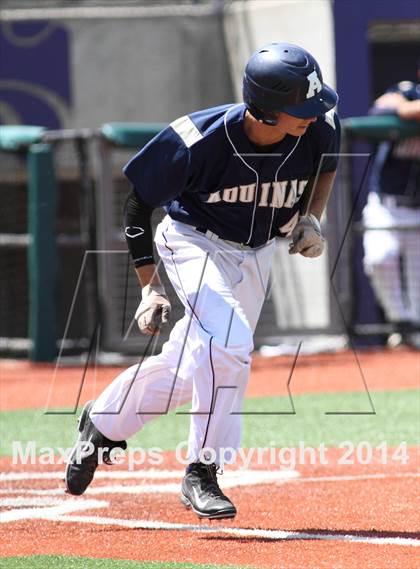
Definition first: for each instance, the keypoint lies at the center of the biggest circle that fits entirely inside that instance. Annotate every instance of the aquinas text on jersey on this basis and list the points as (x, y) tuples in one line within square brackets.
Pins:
[(271, 194)]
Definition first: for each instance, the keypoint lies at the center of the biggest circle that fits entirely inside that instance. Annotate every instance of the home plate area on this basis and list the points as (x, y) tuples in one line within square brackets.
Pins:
[(149, 500), (116, 491)]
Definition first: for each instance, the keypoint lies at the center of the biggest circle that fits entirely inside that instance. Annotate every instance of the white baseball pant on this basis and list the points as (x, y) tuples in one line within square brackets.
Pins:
[(384, 247), (208, 355)]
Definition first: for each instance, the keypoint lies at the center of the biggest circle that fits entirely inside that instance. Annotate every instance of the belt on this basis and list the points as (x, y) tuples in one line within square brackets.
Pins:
[(399, 201), (213, 236)]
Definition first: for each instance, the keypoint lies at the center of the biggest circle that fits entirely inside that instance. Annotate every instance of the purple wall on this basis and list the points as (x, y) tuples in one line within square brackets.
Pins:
[(353, 69), (351, 20), (35, 72)]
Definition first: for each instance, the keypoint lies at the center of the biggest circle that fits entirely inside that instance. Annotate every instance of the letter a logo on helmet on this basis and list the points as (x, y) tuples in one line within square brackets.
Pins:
[(276, 80), (315, 85)]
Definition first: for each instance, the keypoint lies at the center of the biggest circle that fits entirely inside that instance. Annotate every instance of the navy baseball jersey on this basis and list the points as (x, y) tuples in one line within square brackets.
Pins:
[(396, 168), (206, 172)]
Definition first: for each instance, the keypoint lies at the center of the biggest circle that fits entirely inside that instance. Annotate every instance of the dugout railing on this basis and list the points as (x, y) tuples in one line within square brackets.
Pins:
[(47, 221)]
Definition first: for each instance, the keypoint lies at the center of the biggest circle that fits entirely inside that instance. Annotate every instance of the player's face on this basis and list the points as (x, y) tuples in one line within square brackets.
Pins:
[(293, 125)]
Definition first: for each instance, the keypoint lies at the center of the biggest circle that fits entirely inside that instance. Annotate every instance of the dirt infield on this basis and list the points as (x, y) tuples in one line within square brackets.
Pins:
[(332, 516), (33, 386), (320, 517)]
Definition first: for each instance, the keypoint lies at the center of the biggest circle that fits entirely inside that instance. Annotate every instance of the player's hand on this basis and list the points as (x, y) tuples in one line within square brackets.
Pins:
[(307, 237), (153, 310)]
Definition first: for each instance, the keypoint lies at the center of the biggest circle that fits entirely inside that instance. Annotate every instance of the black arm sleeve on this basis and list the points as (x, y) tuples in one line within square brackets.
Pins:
[(138, 230)]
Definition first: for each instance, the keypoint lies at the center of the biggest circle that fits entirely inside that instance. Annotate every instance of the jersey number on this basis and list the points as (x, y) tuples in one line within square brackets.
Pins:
[(290, 225)]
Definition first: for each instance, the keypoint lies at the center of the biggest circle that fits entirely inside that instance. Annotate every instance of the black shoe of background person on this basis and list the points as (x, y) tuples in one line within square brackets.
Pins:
[(200, 491), (84, 459), (410, 332), (406, 333), (412, 340)]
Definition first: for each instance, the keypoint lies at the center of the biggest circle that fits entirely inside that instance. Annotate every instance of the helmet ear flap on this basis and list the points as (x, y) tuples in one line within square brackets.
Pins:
[(266, 118)]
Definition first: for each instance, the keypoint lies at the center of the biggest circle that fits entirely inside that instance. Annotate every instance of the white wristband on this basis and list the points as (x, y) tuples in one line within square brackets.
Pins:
[(315, 222)]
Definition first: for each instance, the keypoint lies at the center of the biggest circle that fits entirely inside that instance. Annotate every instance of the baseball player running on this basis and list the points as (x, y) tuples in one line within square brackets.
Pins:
[(232, 179)]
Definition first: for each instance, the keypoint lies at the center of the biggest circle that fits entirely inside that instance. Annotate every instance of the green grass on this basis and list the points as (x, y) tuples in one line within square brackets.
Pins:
[(397, 418), (60, 562)]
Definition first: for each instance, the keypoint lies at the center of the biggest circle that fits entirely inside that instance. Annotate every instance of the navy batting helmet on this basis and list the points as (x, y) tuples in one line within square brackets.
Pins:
[(285, 77)]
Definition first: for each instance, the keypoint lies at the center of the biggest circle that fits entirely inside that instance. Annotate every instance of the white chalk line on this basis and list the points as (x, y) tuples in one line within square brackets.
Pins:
[(238, 475), (231, 480), (96, 490), (48, 513), (174, 488), (60, 510), (275, 535), (21, 501), (355, 477), (117, 474), (128, 474)]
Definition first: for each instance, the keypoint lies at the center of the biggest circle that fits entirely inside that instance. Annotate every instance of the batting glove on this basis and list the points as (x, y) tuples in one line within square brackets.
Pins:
[(153, 310), (307, 238)]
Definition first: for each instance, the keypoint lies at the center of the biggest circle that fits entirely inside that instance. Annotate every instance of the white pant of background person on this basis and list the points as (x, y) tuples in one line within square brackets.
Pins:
[(207, 357), (383, 251)]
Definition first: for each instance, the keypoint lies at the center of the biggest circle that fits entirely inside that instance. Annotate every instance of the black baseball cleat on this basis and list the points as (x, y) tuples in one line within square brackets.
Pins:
[(201, 492), (91, 447)]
